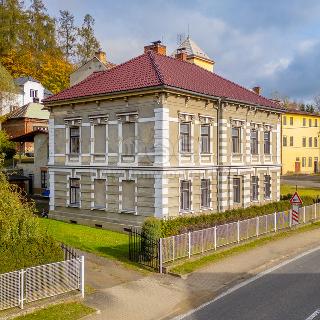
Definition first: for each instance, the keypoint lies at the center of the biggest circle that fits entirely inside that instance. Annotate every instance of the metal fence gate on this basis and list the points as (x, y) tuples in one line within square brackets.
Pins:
[(143, 249)]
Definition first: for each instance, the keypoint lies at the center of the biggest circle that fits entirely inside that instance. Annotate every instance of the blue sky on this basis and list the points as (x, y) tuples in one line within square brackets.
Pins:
[(274, 44)]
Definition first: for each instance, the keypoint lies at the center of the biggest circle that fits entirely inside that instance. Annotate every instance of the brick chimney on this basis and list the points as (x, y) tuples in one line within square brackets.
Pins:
[(257, 90), (101, 55), (156, 47), (181, 54)]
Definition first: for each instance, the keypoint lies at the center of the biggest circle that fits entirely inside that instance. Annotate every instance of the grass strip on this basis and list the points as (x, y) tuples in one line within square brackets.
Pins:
[(64, 311), (201, 261)]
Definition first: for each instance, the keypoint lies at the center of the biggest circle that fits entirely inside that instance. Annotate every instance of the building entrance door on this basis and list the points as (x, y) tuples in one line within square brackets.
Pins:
[(297, 167)]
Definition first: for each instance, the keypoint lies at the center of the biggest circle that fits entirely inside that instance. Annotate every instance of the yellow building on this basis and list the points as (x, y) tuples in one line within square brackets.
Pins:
[(300, 142), (195, 54)]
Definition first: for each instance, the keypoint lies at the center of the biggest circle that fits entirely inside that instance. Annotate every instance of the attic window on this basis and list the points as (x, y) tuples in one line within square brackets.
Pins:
[(33, 93)]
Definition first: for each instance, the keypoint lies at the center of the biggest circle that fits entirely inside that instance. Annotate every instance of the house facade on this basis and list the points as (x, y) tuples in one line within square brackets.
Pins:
[(158, 136), (97, 63), (28, 90), (300, 142)]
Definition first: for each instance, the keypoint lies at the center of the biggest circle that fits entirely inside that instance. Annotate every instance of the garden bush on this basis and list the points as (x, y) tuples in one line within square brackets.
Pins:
[(184, 224), (151, 233), (23, 242)]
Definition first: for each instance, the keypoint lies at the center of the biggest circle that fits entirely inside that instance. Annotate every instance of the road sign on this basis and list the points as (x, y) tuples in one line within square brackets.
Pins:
[(296, 203), (295, 199)]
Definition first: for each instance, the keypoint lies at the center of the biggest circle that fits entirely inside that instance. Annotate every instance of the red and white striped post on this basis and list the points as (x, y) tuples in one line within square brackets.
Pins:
[(296, 203)]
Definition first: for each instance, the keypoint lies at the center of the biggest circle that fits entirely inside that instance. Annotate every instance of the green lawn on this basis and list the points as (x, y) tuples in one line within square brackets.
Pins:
[(105, 243), (197, 262), (64, 311), (312, 192)]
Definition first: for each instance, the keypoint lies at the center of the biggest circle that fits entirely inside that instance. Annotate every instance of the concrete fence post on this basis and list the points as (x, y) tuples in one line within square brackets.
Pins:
[(275, 222), (238, 231), (82, 276), (290, 218), (304, 214), (315, 211), (160, 255), (215, 237), (189, 244), (257, 226), (21, 302)]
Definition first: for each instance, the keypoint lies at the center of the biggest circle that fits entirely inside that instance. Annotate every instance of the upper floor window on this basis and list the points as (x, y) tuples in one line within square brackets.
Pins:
[(254, 141), (205, 193), (315, 122), (128, 136), (291, 121), (315, 142), (267, 187), (304, 122), (291, 141), (74, 192), (185, 137), (267, 142), (74, 140), (236, 190), (205, 138), (304, 141), (284, 141), (185, 195), (236, 139), (33, 93), (284, 120), (310, 122), (99, 138), (254, 188), (310, 142)]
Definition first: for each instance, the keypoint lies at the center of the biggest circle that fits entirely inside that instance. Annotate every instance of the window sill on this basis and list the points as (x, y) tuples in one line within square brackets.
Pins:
[(98, 208), (74, 206), (133, 212), (186, 211), (206, 209)]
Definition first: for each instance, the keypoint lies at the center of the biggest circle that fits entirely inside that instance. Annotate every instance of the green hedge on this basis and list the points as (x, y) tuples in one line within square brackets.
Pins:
[(184, 224)]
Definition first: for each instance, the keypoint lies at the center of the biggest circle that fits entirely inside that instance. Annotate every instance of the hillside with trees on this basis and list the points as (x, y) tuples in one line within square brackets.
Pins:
[(33, 43)]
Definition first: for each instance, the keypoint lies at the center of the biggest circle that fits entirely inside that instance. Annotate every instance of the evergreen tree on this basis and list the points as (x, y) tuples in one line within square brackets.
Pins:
[(88, 43), (67, 34)]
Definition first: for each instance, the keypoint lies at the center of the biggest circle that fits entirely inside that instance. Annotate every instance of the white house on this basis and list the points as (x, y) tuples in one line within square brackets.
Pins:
[(29, 90)]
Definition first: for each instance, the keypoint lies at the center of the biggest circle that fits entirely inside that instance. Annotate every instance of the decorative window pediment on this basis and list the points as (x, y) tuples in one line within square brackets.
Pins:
[(128, 116), (204, 119), (99, 119), (186, 117), (237, 122), (73, 121), (267, 127)]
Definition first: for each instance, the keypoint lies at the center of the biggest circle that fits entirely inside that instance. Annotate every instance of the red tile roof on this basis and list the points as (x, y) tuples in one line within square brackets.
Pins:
[(153, 70)]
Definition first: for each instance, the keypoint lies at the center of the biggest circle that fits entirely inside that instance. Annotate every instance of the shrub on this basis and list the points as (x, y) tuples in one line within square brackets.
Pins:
[(23, 242), (150, 233), (184, 224)]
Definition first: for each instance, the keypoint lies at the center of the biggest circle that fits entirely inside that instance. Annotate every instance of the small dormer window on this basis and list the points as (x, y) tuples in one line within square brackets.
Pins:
[(33, 93)]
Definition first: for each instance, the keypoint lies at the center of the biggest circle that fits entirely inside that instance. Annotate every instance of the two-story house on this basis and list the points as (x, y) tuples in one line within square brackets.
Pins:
[(159, 136), (28, 90)]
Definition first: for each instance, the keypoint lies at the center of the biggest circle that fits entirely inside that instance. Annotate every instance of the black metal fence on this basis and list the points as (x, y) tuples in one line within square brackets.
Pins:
[(143, 249), (69, 252)]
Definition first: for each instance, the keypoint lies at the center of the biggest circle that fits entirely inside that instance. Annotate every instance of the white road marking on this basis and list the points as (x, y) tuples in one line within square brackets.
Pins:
[(248, 281), (316, 313)]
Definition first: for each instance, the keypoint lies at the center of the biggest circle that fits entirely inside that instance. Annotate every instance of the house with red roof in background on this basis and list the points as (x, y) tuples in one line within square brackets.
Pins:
[(160, 136)]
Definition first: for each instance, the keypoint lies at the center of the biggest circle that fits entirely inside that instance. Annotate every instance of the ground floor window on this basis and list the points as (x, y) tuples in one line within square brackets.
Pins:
[(128, 195), (205, 193), (303, 162), (254, 188), (75, 191), (185, 195), (236, 190), (310, 162), (100, 193), (267, 187), (44, 179)]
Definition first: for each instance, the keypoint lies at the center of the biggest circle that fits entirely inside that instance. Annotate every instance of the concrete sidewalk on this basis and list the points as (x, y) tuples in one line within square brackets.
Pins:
[(164, 296)]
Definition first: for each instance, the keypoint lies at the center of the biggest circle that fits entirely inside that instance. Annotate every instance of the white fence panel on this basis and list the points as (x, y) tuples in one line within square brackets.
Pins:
[(209, 239), (52, 279), (9, 290), (247, 229), (227, 234), (283, 220)]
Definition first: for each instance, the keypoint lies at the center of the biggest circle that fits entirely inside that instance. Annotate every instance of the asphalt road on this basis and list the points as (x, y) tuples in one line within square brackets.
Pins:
[(291, 292)]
